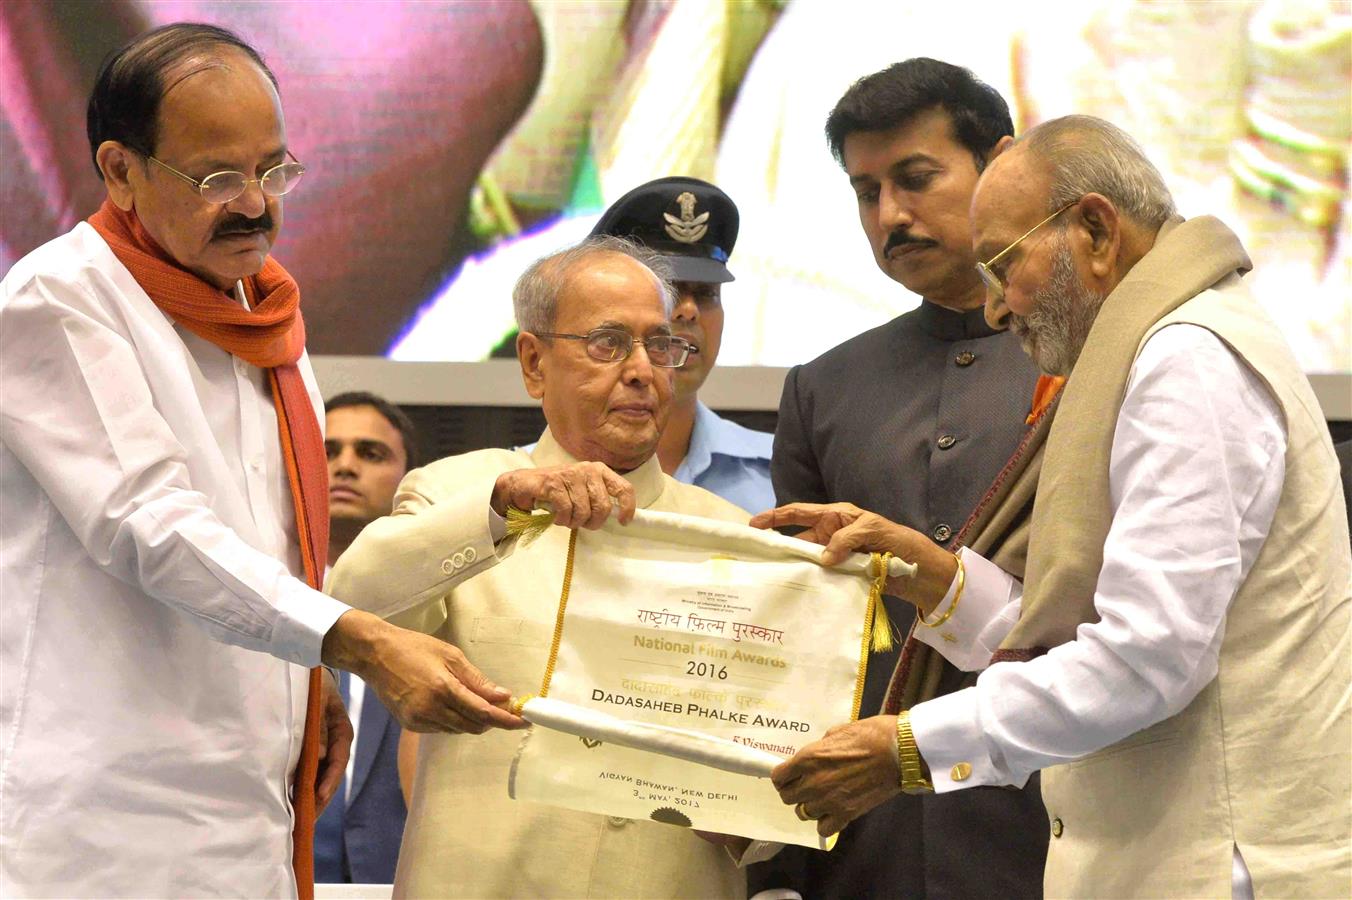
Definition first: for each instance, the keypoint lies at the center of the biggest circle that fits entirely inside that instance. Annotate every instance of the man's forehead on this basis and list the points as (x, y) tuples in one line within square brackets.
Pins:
[(215, 69), (1010, 192), (926, 136), (358, 423), (611, 288), (182, 72), (220, 99)]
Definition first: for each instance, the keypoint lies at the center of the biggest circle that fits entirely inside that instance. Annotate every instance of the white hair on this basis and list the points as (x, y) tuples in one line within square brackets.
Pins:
[(535, 298), (1087, 155)]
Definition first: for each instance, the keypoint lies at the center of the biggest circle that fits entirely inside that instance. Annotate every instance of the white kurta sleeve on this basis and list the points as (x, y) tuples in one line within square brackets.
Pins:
[(1195, 472), (984, 613), (80, 417)]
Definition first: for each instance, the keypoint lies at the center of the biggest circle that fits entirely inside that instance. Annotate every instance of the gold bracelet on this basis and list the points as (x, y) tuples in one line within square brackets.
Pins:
[(952, 607), (913, 780)]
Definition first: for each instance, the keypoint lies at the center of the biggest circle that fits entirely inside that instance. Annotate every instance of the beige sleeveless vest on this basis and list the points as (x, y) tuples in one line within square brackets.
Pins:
[(1262, 758)]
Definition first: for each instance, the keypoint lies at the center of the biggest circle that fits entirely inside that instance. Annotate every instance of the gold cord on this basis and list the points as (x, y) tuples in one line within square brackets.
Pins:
[(558, 621), (872, 613), (869, 611)]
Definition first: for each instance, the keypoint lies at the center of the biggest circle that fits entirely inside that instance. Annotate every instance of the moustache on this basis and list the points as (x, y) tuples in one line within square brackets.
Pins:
[(900, 239), (237, 224)]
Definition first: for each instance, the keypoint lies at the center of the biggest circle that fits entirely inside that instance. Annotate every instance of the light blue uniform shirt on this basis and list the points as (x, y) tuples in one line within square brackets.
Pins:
[(729, 460)]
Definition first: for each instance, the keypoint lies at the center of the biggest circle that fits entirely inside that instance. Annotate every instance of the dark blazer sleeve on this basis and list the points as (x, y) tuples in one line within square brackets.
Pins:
[(375, 818), (793, 464)]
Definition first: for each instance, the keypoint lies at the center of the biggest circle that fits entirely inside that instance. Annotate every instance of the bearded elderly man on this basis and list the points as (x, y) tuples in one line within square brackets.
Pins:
[(1176, 656), (596, 350), (159, 434)]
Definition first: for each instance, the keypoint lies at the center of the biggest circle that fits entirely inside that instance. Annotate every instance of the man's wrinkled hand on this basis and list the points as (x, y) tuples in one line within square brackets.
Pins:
[(579, 495), (335, 743), (427, 684), (842, 528), (837, 779), (845, 528)]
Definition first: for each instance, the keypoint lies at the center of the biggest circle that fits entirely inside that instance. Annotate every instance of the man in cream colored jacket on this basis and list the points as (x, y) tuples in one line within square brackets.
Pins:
[(596, 349)]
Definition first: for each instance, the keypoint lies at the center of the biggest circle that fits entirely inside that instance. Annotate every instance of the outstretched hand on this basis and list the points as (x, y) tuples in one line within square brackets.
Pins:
[(849, 771), (845, 528), (427, 684)]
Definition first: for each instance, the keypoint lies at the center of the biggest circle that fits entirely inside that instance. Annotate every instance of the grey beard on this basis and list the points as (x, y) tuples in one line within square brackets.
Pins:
[(1053, 334)]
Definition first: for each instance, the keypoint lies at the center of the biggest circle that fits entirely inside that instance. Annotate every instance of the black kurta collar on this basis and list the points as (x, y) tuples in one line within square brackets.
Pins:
[(946, 325)]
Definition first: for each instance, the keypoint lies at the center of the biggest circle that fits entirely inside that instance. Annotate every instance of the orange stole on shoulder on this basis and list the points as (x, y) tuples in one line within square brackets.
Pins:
[(1048, 386)]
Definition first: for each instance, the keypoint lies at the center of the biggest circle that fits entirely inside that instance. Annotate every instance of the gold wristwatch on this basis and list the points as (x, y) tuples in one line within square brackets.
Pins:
[(913, 780)]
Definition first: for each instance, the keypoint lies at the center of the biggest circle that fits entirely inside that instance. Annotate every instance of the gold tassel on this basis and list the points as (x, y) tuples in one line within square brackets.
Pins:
[(527, 525), (881, 625)]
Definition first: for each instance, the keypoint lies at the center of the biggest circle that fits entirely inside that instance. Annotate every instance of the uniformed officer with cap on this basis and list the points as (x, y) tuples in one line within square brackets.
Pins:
[(693, 225)]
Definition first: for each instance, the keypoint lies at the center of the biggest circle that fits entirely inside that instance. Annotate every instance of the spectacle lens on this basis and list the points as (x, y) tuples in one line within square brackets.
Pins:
[(281, 179), (222, 187), (667, 351), (605, 345), (994, 286), (612, 345)]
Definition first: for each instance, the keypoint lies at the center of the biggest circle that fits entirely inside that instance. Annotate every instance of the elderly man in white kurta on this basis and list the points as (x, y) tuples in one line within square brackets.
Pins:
[(596, 349), (1175, 657)]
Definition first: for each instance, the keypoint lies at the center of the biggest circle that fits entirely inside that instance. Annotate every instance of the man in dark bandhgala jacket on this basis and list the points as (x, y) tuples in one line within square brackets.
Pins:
[(914, 419)]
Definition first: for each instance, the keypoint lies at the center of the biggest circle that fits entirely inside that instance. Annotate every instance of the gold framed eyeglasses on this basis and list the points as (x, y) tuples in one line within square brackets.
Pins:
[(614, 344), (222, 187), (995, 285)]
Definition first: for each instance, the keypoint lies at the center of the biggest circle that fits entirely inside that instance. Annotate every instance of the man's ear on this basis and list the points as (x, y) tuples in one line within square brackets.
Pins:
[(530, 353), (1101, 234), (115, 161), (1000, 147)]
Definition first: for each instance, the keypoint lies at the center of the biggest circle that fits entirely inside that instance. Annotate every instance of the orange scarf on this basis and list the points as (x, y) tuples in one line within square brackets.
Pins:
[(270, 335), (1048, 386)]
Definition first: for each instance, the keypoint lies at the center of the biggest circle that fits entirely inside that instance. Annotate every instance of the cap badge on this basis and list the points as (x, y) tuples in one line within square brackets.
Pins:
[(689, 228)]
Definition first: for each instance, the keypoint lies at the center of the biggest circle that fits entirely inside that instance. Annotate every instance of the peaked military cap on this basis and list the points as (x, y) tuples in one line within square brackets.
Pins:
[(691, 223)]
